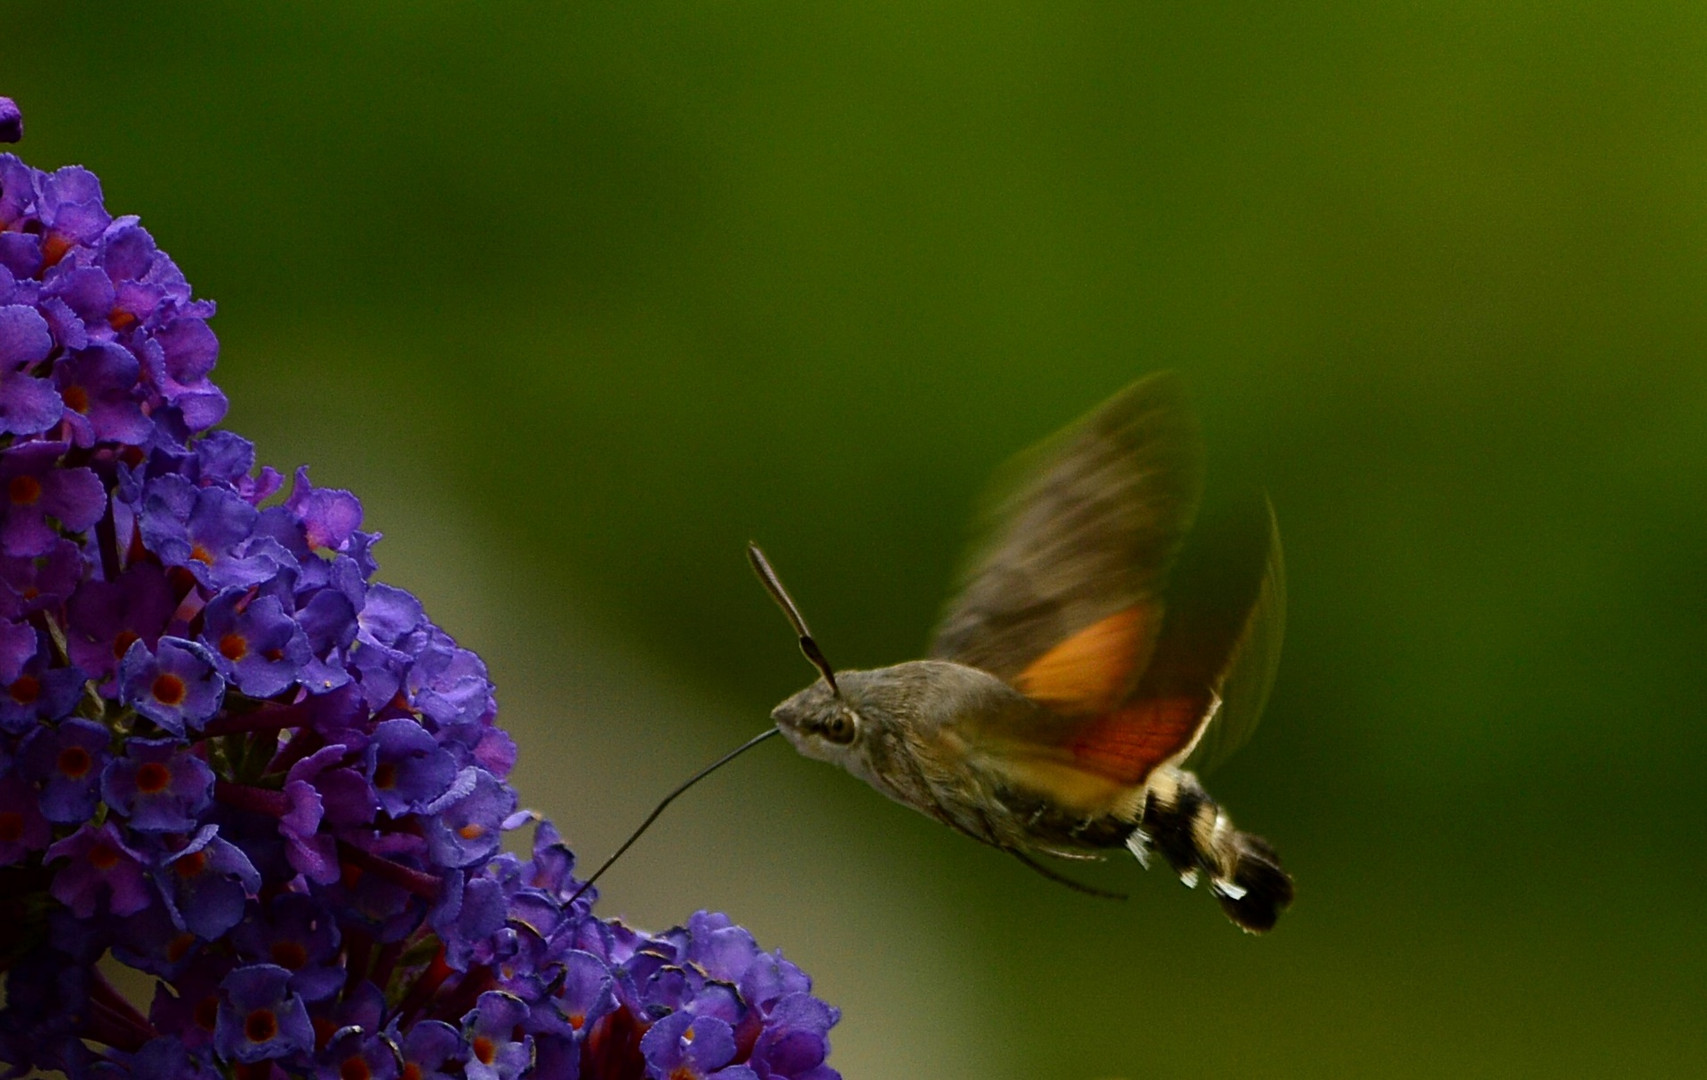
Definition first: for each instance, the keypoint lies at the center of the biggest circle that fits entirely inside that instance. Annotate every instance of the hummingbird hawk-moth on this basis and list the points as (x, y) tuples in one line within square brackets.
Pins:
[(1101, 644)]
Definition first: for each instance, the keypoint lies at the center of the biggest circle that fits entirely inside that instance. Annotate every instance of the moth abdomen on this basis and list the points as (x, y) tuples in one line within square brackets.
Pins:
[(1197, 838)]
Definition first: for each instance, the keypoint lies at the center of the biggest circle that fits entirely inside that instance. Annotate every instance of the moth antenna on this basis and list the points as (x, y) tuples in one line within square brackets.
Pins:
[(1063, 879), (808, 644), (671, 797)]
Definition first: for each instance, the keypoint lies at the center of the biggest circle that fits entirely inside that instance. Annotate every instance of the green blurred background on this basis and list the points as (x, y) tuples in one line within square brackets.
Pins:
[(579, 298)]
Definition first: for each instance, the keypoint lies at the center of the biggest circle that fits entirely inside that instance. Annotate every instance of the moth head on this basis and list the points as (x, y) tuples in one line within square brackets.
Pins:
[(821, 723)]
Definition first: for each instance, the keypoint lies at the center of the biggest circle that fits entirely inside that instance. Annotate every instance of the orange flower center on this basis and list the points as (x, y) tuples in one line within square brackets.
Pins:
[(234, 646), (23, 490), (485, 1049), (25, 690), (123, 642), (53, 248), (74, 762), (153, 778), (169, 690), (289, 955), (179, 947), (103, 856)]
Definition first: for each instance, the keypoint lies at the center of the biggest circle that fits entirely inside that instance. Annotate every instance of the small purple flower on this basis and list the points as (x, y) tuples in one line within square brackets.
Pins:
[(552, 868), (258, 647), (299, 934), (20, 250), (29, 404), (465, 826), (725, 950), (67, 761), (329, 620), (451, 687), (224, 457), (769, 979), (795, 1040), (259, 1016), (189, 1007), (39, 693), (68, 201), (312, 853), (358, 1054), (150, 941), (494, 1054), (98, 385), (11, 121), (158, 784), (39, 582), (25, 339), (329, 516), (587, 993), (208, 531), (388, 621), (178, 358), (19, 644), (35, 492), (23, 828), (77, 302), (107, 617), (407, 767), (207, 884), (467, 918), (176, 686), (346, 798), (102, 867), (686, 1047), (433, 1050)]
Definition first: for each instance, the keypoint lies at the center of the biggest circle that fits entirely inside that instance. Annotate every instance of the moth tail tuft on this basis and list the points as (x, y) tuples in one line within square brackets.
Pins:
[(1199, 841), (1260, 888)]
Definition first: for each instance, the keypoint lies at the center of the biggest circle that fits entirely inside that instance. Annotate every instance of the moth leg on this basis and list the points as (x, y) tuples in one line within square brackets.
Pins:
[(1062, 879)]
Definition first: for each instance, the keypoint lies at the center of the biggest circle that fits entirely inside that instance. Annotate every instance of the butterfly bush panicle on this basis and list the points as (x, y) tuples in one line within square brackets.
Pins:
[(233, 761)]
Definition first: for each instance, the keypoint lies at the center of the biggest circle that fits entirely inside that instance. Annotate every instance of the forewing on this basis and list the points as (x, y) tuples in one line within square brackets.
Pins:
[(1062, 592), (1208, 675)]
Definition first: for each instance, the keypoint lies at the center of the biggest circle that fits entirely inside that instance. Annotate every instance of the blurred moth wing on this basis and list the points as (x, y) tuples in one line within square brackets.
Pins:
[(1234, 583), (1083, 594), (1077, 537)]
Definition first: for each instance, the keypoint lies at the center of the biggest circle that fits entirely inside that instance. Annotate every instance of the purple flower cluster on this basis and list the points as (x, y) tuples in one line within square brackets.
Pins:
[(233, 761)]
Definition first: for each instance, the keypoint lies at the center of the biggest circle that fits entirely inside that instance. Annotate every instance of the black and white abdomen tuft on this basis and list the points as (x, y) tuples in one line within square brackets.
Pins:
[(1198, 840)]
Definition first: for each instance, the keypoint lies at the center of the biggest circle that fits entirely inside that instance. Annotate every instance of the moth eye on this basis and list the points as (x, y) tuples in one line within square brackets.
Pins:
[(840, 728)]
